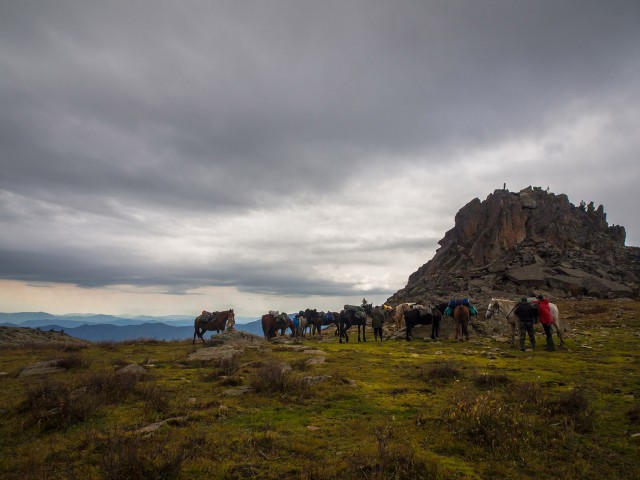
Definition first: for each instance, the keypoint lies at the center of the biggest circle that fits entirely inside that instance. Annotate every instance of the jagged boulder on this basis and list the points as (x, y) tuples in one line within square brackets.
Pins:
[(514, 243)]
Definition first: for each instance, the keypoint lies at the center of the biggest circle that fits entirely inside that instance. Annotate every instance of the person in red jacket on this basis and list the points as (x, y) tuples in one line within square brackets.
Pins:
[(544, 313)]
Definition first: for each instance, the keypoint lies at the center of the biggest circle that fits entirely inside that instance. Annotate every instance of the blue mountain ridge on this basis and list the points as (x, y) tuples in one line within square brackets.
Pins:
[(147, 330), (41, 319)]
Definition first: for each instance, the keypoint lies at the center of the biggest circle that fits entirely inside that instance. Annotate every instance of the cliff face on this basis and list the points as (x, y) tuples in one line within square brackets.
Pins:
[(513, 243)]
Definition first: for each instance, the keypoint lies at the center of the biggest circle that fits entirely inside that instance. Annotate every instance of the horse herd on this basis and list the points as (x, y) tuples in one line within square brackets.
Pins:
[(313, 321)]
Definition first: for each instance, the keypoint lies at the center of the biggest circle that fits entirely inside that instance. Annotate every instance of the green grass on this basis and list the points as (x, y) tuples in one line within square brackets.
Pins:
[(421, 409)]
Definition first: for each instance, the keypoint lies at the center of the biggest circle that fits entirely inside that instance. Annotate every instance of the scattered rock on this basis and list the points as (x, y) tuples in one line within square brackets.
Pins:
[(309, 381), (133, 369), (315, 361), (46, 367), (176, 421), (238, 339), (236, 392), (224, 352)]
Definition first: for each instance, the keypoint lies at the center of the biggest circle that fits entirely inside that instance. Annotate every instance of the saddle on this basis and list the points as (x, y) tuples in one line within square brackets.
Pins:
[(458, 302), (354, 308)]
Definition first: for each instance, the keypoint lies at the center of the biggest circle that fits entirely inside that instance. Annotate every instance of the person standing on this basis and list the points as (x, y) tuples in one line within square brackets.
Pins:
[(526, 316), (546, 319), (377, 319)]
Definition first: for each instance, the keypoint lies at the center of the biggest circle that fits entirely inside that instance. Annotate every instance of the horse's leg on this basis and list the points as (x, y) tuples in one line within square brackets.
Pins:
[(407, 330), (560, 336)]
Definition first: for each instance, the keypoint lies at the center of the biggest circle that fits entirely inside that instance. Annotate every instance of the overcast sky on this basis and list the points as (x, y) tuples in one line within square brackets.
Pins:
[(168, 157)]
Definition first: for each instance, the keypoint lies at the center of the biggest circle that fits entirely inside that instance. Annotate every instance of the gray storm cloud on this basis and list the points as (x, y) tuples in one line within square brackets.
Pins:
[(126, 125)]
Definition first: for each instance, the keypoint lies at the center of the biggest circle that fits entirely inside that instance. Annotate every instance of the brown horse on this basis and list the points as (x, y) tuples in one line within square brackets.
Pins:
[(322, 321), (461, 317), (271, 323), (211, 321)]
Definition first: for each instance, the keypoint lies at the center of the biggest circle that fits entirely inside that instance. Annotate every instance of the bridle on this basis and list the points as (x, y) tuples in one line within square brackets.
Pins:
[(497, 309)]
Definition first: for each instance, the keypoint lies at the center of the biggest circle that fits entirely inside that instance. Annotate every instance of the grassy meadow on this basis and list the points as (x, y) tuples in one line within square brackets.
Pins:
[(394, 410)]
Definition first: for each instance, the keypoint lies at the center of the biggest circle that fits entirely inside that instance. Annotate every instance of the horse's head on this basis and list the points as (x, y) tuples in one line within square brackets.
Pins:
[(492, 309)]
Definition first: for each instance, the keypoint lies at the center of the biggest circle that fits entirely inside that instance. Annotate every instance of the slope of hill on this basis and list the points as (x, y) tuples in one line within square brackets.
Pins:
[(15, 336), (317, 409), (109, 332)]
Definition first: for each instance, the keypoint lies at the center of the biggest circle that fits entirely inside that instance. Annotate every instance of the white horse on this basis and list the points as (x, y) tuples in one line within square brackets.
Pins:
[(303, 324), (400, 311), (506, 307)]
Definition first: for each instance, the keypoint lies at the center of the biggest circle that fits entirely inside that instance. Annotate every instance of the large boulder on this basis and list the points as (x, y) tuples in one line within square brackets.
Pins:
[(513, 243)]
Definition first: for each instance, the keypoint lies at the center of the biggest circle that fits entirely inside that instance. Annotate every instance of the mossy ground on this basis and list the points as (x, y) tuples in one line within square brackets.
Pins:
[(421, 409)]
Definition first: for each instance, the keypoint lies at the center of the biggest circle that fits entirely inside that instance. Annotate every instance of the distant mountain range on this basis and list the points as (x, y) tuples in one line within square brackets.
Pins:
[(111, 328)]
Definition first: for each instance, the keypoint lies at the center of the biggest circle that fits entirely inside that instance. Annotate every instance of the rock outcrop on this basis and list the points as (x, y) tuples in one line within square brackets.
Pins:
[(514, 243)]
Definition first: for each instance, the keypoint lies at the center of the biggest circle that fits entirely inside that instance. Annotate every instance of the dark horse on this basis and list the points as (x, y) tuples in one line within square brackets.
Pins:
[(314, 319), (336, 321), (349, 318), (423, 316), (211, 321), (271, 323), (461, 317)]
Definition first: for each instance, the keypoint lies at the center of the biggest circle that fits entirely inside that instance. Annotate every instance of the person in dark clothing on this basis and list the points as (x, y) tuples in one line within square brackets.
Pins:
[(526, 314), (377, 319)]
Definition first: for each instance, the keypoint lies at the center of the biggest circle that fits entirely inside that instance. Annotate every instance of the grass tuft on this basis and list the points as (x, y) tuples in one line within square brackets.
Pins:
[(274, 377)]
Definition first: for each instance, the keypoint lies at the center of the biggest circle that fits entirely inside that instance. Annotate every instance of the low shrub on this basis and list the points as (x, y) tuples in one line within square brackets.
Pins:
[(574, 407), (228, 365), (490, 380), (441, 371), (155, 398), (633, 414), (487, 420), (111, 386), (274, 377), (132, 458), (71, 361), (53, 405), (394, 458)]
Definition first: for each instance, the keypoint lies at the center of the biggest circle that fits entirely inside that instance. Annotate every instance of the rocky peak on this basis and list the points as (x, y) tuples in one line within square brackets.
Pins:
[(512, 243)]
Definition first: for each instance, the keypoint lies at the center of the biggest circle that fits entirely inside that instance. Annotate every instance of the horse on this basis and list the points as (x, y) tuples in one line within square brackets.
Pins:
[(420, 315), (400, 311), (315, 321), (506, 307), (461, 317), (303, 324), (273, 321), (347, 319), (335, 321), (211, 321)]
